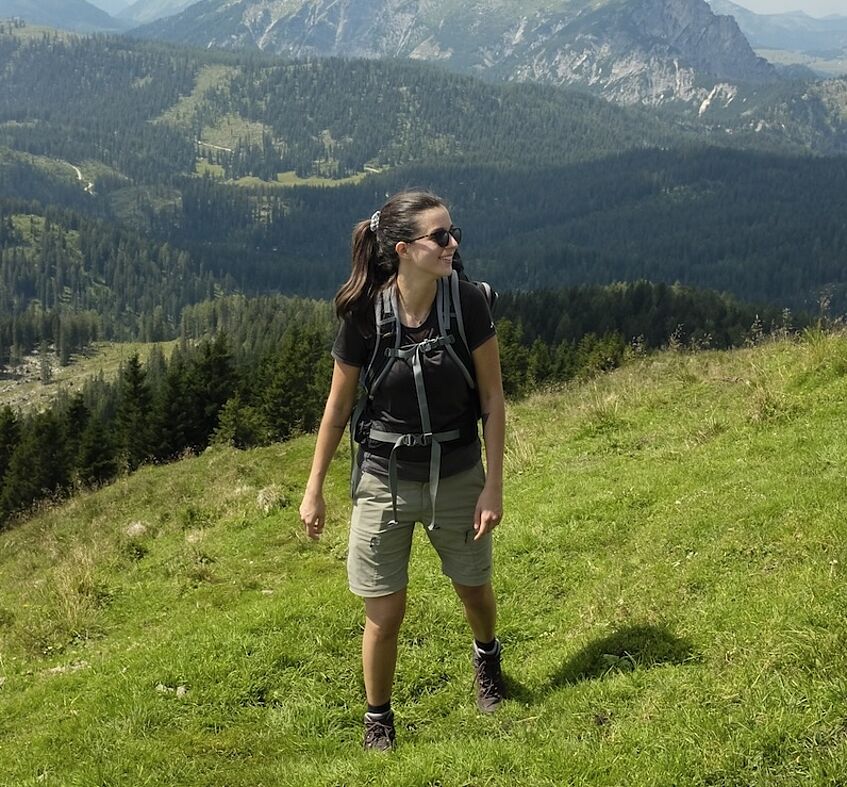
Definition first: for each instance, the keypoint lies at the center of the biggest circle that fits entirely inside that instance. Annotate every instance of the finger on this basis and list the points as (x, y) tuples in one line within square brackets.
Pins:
[(488, 521)]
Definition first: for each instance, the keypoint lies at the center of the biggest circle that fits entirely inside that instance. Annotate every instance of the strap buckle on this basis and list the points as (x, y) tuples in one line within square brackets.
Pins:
[(416, 440), (427, 345)]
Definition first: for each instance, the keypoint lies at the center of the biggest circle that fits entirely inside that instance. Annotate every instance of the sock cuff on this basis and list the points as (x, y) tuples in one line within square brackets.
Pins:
[(378, 711), (487, 648)]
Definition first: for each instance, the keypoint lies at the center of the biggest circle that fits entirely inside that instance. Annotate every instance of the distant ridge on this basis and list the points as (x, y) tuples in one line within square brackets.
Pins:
[(143, 11), (794, 31), (78, 15)]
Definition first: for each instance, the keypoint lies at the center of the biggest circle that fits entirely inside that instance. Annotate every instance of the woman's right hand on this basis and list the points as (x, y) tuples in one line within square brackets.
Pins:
[(313, 513)]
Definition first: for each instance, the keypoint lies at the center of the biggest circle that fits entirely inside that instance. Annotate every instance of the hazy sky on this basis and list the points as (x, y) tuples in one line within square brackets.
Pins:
[(811, 7)]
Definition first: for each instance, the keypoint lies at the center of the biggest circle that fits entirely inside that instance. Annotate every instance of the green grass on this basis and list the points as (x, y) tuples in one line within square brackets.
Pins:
[(292, 179), (229, 129), (25, 391), (669, 573), (208, 78)]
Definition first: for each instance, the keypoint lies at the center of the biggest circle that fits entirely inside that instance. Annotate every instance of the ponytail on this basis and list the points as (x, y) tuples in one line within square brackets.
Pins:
[(356, 294)]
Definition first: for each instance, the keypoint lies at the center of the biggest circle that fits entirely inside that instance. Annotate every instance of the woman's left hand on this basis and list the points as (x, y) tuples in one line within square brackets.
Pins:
[(489, 511)]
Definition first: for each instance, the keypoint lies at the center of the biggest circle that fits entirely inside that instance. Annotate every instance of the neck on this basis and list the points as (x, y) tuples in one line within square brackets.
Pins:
[(416, 293)]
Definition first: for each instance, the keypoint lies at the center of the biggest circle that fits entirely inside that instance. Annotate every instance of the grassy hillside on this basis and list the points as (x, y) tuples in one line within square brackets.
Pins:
[(23, 389), (670, 574)]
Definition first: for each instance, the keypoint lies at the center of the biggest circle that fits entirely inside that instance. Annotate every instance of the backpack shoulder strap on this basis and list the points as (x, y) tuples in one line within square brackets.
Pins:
[(457, 308), (447, 302), (387, 335)]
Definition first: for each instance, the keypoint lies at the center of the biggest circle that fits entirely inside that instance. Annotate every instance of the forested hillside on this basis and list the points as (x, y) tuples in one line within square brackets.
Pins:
[(222, 157), (67, 279)]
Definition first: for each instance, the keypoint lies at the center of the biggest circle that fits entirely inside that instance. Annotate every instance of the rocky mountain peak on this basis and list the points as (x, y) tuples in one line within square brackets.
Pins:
[(631, 51)]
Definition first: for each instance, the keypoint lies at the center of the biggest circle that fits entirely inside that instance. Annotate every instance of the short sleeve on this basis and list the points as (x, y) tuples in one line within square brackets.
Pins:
[(479, 325), (350, 346)]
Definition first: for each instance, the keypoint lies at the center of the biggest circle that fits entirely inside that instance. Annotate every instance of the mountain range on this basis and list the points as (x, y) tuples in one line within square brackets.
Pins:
[(651, 52), (111, 7), (144, 11), (66, 14), (794, 31)]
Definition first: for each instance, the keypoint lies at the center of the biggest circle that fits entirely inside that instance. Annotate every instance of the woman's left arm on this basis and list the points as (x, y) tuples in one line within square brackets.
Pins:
[(489, 507)]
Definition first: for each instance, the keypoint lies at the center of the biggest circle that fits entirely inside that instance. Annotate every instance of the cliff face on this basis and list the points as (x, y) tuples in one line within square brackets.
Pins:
[(650, 51), (630, 51)]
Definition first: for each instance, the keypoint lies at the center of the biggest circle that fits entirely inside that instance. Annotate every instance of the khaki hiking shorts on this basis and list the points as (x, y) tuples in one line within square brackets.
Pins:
[(378, 556)]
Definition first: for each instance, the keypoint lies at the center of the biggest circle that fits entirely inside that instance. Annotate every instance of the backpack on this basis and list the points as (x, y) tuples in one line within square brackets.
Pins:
[(387, 350)]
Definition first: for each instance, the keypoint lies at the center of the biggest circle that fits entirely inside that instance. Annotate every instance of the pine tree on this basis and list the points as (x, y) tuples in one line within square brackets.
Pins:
[(134, 414), (211, 383), (38, 467), (173, 415), (241, 425), (10, 435), (96, 457), (74, 423), (288, 385)]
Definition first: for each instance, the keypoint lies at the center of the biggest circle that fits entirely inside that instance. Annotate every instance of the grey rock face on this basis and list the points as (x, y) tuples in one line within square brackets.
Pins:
[(631, 51)]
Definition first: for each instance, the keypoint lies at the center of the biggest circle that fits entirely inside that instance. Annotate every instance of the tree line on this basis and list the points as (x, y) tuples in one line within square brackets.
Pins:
[(248, 372)]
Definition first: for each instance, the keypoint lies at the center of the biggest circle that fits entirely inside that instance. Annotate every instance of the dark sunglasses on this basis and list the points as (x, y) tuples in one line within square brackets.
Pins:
[(442, 236)]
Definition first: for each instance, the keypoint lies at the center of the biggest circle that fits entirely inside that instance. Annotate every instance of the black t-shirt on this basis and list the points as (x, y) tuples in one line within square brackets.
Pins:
[(452, 403)]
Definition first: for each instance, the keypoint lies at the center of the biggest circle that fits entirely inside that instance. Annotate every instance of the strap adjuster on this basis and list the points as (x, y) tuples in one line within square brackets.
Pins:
[(416, 440)]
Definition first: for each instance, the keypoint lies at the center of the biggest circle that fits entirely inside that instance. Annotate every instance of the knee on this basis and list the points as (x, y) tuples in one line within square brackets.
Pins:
[(383, 620), (474, 596), (383, 630)]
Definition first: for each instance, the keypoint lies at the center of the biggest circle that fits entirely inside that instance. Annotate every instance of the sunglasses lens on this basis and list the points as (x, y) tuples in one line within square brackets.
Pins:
[(456, 232), (441, 237)]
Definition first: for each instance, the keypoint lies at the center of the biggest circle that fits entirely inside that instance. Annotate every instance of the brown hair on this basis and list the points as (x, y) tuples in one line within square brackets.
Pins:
[(374, 259)]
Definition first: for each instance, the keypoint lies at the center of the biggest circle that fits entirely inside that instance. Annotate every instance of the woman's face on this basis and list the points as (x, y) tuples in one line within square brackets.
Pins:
[(424, 252)]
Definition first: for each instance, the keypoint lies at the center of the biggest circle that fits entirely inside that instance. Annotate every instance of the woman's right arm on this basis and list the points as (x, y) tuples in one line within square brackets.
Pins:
[(339, 405)]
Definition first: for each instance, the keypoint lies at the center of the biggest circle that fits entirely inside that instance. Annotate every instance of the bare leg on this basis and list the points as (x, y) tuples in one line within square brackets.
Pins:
[(383, 617), (480, 609)]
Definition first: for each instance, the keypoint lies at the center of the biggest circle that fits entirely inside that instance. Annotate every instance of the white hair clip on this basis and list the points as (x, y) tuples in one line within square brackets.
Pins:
[(374, 221)]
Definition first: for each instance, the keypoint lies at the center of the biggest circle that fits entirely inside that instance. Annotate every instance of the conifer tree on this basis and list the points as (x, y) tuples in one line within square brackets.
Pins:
[(173, 410), (134, 414), (74, 422), (96, 457), (241, 425), (211, 383), (289, 403), (9, 437), (514, 358), (38, 467)]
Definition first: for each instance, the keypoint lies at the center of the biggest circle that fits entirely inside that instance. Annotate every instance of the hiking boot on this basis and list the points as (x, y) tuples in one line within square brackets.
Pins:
[(488, 680), (379, 732)]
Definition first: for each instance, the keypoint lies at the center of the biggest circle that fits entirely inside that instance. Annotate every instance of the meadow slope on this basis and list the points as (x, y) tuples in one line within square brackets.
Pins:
[(670, 574)]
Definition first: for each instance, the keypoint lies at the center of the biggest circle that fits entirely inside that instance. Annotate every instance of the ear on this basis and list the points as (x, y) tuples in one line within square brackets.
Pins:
[(401, 247)]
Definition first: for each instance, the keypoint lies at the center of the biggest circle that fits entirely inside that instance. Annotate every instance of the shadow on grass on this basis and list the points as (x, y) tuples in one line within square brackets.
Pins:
[(625, 650)]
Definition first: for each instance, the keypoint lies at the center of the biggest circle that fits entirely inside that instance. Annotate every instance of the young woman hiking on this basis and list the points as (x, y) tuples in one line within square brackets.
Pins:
[(419, 458)]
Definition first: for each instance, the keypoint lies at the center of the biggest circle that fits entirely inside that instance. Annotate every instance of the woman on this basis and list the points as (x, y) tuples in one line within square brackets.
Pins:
[(432, 472)]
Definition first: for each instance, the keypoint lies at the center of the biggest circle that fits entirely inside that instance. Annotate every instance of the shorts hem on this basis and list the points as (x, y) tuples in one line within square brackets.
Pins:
[(374, 592), (471, 582)]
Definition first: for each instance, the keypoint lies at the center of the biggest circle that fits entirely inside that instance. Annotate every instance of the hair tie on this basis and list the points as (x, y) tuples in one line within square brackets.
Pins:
[(375, 221)]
